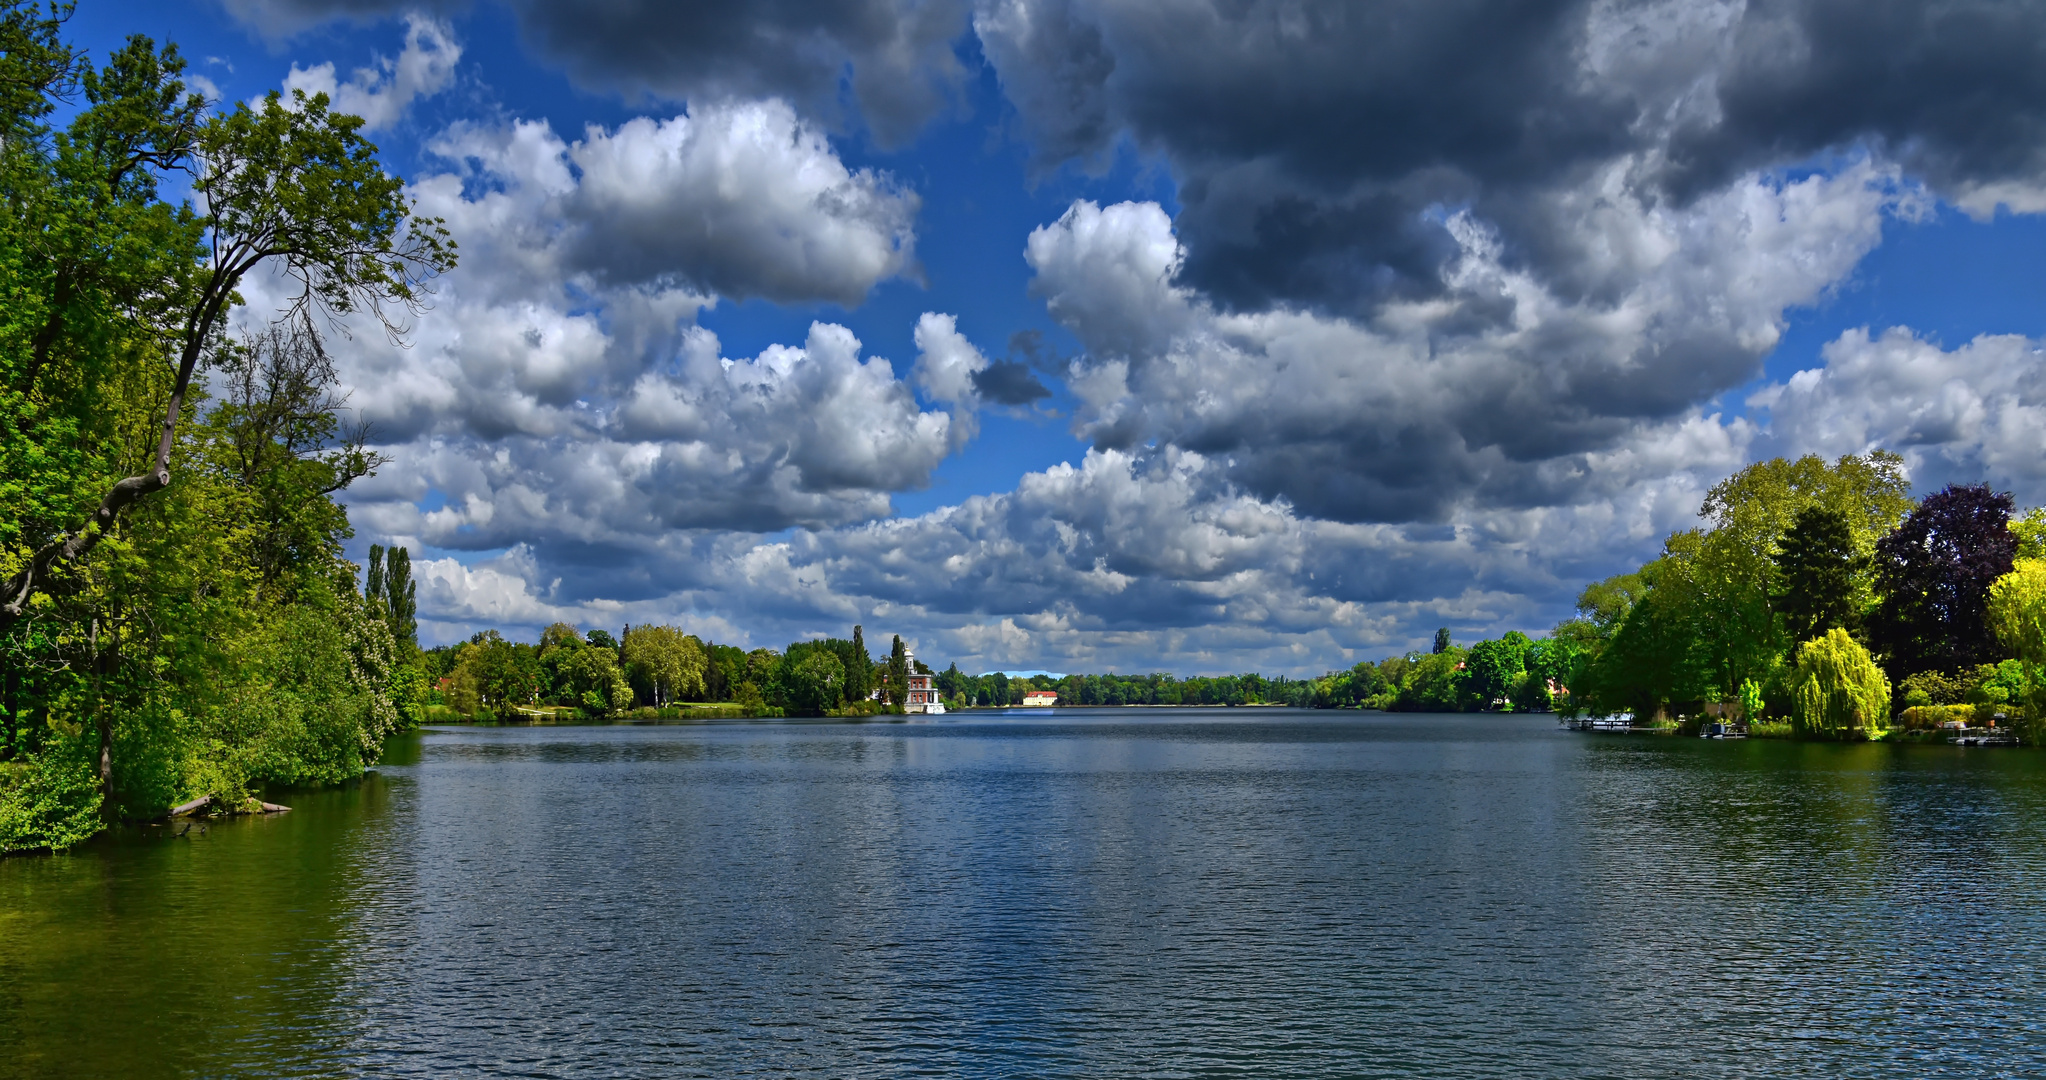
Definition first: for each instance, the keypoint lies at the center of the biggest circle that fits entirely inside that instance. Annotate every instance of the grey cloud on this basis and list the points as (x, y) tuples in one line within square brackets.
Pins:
[(895, 55), (1420, 412), (742, 199), (1320, 146), (1954, 88), (1009, 382), (1143, 561), (283, 18)]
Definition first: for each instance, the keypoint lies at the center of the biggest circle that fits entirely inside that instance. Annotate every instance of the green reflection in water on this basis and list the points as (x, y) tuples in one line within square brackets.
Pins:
[(212, 948)]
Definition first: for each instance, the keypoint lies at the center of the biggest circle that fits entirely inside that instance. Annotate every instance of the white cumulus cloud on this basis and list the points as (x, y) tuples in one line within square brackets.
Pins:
[(383, 93)]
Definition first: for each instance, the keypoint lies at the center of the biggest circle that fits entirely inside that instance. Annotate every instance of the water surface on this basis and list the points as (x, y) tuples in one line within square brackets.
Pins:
[(1108, 893)]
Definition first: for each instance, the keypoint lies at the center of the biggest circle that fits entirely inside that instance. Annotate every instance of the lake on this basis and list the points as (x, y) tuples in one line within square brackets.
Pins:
[(1135, 892)]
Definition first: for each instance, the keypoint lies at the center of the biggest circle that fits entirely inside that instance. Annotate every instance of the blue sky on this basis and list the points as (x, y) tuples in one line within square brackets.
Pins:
[(1351, 321)]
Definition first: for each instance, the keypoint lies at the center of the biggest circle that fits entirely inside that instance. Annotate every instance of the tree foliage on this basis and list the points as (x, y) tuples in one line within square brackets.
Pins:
[(204, 636), (664, 664), (1837, 691), (1934, 572), (1817, 574)]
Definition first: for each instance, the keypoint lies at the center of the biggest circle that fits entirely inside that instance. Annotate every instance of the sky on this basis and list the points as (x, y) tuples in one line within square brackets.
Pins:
[(1180, 336)]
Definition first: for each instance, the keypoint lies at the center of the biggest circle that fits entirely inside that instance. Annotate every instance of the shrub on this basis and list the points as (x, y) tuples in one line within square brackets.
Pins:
[(52, 801), (1837, 691), (1930, 717)]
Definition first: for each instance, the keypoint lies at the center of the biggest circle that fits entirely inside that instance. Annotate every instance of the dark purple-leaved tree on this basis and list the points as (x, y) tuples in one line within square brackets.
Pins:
[(1933, 572)]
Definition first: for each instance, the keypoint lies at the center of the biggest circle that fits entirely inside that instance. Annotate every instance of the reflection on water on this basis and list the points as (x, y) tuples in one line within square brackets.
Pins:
[(1117, 893)]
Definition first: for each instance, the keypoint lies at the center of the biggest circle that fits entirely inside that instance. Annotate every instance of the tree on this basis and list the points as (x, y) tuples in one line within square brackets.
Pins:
[(817, 682), (664, 664), (392, 596), (373, 578), (859, 668), (1733, 576), (294, 187), (1933, 573), (1657, 658), (160, 631), (2017, 613), (2030, 530), (1442, 642), (401, 601), (595, 682), (1494, 670), (1435, 683), (1837, 691), (1816, 571), (898, 675)]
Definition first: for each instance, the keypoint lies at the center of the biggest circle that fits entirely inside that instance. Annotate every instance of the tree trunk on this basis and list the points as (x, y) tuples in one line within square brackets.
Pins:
[(16, 592)]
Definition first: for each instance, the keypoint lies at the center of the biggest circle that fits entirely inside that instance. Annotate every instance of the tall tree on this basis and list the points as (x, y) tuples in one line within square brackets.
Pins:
[(286, 186), (1816, 570), (1495, 669), (1733, 573), (373, 579), (1933, 573), (859, 668), (898, 672), (1442, 642), (206, 631), (401, 600)]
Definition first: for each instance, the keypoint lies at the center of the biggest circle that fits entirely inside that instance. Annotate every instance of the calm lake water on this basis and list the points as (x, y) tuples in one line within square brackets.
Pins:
[(1086, 894)]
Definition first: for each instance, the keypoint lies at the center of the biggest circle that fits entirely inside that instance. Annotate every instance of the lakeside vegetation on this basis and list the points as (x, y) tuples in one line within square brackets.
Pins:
[(1821, 601), (176, 618)]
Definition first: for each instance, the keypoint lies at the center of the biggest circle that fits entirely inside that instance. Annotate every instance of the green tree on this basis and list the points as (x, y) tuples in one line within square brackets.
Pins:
[(664, 664), (292, 187), (1733, 571), (1837, 691), (2017, 613), (898, 676), (859, 668), (1435, 683), (158, 632), (1442, 642), (596, 683), (1657, 658), (401, 602), (1817, 572), (817, 682), (2030, 530), (1495, 670)]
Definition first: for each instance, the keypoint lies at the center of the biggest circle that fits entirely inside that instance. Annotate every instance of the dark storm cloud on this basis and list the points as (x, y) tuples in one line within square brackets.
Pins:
[(1955, 89), (895, 55), (1008, 382), (1318, 144)]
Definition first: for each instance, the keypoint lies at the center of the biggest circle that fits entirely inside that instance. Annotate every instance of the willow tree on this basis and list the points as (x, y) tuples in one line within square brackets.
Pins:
[(1837, 691)]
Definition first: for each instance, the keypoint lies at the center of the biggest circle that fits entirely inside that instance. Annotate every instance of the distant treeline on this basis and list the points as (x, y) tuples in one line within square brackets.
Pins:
[(654, 671)]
